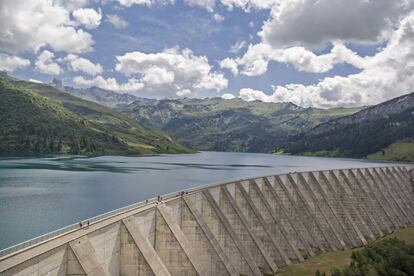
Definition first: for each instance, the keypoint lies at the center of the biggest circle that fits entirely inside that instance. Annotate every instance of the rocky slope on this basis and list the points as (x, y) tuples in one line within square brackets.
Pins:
[(95, 94), (372, 132)]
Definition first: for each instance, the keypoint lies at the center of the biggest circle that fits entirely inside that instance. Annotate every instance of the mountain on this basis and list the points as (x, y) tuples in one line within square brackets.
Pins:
[(38, 118), (384, 131), (97, 95), (228, 125)]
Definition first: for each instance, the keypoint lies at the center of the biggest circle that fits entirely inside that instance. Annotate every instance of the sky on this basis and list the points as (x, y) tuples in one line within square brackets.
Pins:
[(314, 53)]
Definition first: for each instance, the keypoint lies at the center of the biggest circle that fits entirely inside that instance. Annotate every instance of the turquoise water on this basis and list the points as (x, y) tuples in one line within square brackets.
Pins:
[(41, 194)]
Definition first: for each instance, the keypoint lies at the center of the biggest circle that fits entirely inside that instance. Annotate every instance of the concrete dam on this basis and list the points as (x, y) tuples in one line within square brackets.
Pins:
[(248, 227)]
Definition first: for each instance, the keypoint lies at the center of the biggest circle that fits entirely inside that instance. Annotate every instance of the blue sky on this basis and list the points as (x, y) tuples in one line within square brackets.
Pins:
[(314, 53)]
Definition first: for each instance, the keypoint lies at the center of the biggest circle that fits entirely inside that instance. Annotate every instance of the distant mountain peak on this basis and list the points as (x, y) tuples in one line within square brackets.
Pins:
[(57, 83), (102, 96)]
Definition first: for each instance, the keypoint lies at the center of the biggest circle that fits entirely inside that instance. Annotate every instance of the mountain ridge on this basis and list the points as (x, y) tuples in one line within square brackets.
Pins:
[(88, 121), (102, 96), (367, 133), (227, 124)]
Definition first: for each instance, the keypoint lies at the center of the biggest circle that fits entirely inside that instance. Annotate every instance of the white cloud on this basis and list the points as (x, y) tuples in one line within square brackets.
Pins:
[(45, 64), (207, 4), (129, 3), (230, 64), (12, 63), (157, 76), (218, 17), (171, 72), (131, 86), (183, 93), (248, 5), (386, 75), (228, 96), (249, 94), (79, 64), (238, 46), (89, 18), (30, 25), (255, 61), (117, 21), (314, 22)]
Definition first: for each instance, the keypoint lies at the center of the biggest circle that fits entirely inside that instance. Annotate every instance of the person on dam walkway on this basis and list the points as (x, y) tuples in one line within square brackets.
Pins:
[(80, 224)]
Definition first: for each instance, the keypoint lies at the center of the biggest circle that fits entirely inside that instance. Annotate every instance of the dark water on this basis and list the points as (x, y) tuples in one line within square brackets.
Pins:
[(38, 195)]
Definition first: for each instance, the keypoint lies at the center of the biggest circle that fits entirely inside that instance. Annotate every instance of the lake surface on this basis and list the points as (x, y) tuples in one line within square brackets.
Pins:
[(38, 195)]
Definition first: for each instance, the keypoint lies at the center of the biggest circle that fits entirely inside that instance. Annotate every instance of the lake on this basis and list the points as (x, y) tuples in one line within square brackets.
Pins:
[(41, 194)]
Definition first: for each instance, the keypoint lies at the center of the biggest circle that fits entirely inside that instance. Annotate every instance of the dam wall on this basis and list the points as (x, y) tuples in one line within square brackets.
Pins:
[(251, 227)]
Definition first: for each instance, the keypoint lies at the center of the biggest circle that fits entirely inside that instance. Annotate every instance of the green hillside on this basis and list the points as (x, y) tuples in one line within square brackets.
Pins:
[(384, 131), (398, 151), (37, 118), (228, 125)]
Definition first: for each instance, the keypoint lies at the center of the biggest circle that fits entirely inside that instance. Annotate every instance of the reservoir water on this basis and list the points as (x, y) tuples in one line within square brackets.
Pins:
[(41, 194)]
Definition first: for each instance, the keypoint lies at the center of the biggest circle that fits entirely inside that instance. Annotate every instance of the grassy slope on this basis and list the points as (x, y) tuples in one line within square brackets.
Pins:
[(327, 261), (399, 151), (134, 138)]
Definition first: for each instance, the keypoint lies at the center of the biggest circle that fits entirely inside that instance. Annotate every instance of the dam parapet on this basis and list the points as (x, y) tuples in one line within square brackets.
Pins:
[(250, 226)]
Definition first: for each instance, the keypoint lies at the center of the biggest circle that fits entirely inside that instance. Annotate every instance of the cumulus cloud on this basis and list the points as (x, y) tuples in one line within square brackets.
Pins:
[(228, 96), (117, 21), (30, 25), (255, 61), (386, 75), (131, 86), (79, 64), (12, 63), (230, 64), (312, 23), (172, 73), (89, 18), (158, 76), (249, 94), (46, 64)]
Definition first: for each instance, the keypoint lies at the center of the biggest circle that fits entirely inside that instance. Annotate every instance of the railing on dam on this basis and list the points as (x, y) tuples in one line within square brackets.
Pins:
[(75, 226), (246, 226)]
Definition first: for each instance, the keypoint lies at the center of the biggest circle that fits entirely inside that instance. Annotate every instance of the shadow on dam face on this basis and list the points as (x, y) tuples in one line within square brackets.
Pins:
[(250, 227)]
